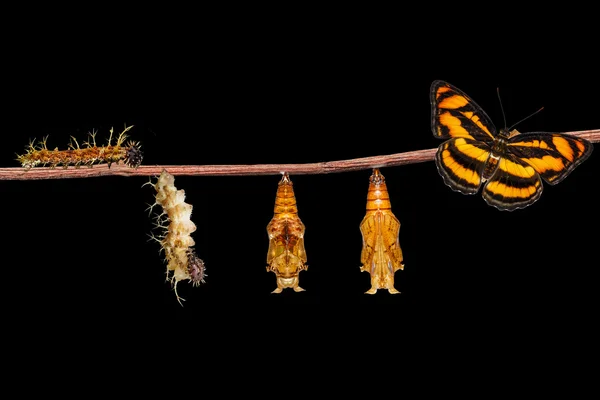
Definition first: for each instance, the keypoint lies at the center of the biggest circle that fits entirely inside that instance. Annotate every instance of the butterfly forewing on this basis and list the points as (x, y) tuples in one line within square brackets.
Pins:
[(553, 155), (454, 114)]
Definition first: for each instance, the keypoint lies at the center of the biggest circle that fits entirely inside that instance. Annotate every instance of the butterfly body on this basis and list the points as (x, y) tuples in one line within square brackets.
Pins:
[(508, 165)]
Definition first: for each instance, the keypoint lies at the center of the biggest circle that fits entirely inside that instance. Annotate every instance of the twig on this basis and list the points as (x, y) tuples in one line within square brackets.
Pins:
[(329, 167)]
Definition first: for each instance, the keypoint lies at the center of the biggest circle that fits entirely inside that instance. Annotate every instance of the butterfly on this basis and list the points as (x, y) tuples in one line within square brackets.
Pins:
[(508, 164)]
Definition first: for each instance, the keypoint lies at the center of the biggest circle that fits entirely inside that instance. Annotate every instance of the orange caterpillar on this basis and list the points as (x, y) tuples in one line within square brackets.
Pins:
[(381, 253), (90, 154), (286, 256)]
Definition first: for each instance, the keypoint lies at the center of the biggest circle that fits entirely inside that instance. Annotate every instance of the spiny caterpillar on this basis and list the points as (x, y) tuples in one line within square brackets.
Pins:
[(178, 245), (90, 154)]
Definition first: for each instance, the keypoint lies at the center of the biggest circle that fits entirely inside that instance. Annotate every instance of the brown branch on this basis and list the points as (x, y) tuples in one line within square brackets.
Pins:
[(392, 160)]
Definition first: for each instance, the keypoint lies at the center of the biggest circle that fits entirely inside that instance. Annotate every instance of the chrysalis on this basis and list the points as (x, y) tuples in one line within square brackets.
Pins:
[(286, 256), (381, 253)]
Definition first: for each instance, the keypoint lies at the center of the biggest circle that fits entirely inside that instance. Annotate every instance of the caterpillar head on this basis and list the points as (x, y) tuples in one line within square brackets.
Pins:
[(133, 154), (196, 268)]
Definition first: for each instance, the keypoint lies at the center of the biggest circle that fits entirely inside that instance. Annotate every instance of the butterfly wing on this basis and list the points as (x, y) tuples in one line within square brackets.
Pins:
[(515, 184), (454, 114), (553, 155), (461, 161)]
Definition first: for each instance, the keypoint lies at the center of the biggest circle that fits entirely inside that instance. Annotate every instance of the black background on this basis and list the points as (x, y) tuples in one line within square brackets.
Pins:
[(267, 93)]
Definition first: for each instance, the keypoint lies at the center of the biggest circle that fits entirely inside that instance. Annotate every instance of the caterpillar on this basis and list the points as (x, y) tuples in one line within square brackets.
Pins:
[(381, 254), (286, 256), (39, 154), (178, 245)]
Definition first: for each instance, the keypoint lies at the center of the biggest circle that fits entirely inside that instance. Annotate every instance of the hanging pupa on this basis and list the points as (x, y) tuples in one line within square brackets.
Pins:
[(381, 254), (286, 256)]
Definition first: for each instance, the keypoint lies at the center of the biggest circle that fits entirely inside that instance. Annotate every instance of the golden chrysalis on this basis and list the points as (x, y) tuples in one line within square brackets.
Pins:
[(286, 256), (381, 254)]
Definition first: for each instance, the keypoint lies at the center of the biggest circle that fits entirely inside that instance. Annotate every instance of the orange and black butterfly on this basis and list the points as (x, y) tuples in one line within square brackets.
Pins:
[(509, 165)]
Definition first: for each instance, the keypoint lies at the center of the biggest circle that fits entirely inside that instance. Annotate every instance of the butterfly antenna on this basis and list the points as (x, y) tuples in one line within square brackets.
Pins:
[(501, 107), (530, 115)]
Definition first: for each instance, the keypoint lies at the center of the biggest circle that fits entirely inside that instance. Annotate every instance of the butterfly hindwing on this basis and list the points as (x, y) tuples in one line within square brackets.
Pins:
[(515, 184), (454, 114), (552, 155), (460, 161)]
